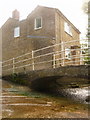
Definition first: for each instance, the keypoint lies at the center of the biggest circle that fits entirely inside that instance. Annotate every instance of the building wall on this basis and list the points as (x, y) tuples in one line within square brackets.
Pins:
[(13, 47), (8, 43), (0, 54), (60, 32), (48, 26), (62, 36), (0, 45), (52, 32), (42, 37)]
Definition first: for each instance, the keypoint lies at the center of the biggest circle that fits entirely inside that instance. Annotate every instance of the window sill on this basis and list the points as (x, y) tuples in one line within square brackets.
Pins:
[(37, 28), (16, 37)]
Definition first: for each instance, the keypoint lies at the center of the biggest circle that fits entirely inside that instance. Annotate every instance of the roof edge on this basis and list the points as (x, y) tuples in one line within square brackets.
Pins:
[(57, 10)]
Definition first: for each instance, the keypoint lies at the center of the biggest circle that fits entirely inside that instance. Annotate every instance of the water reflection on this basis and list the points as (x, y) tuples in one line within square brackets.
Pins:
[(78, 94)]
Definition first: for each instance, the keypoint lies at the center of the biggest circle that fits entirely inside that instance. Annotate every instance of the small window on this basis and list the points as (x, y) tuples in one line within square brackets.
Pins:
[(67, 28), (68, 53), (38, 23), (17, 32)]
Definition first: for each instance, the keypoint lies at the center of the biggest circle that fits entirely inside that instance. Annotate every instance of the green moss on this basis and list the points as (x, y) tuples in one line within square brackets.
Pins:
[(17, 79)]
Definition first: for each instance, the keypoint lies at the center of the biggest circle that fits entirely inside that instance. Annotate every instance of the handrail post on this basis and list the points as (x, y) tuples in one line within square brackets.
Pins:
[(33, 68), (54, 61), (81, 56), (13, 65)]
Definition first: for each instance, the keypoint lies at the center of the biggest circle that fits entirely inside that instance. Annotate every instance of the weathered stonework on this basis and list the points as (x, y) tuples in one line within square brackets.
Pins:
[(67, 76), (52, 28)]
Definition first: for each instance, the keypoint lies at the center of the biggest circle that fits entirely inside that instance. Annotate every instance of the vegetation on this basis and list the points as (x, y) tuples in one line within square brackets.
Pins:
[(86, 9), (85, 6), (86, 53), (87, 60)]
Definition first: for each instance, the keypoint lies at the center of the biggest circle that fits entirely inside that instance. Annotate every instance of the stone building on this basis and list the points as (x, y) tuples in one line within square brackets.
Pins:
[(43, 27)]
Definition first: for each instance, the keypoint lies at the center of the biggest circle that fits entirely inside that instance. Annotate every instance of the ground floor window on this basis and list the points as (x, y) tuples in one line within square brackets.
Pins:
[(67, 53)]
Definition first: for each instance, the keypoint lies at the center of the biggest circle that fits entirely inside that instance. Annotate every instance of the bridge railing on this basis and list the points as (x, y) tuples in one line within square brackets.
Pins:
[(60, 54)]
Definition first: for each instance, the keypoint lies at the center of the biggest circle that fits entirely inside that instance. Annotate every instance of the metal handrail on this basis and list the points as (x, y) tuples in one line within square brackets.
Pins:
[(23, 55), (55, 53), (41, 49), (7, 60), (47, 62)]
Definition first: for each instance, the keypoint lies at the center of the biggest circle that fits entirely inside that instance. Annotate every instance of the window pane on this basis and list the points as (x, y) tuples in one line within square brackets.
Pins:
[(38, 23), (17, 32), (67, 28), (67, 53)]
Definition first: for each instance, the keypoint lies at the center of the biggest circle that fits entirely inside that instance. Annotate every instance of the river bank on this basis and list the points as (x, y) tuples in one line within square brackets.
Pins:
[(21, 102)]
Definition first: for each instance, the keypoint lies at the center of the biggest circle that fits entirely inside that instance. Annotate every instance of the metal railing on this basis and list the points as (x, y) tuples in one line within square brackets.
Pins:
[(53, 56)]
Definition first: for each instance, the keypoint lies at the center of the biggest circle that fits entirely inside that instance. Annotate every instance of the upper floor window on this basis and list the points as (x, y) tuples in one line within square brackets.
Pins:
[(38, 23), (67, 28), (17, 32)]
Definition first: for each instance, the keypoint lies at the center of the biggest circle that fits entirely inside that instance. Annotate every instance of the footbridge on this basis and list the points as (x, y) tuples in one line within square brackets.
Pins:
[(62, 64)]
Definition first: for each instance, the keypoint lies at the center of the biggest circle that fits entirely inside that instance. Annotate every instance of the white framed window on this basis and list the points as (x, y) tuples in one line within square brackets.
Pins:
[(38, 23), (67, 53), (17, 32), (67, 28)]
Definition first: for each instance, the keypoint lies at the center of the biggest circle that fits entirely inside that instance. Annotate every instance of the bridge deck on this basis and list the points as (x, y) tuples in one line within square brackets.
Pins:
[(63, 76)]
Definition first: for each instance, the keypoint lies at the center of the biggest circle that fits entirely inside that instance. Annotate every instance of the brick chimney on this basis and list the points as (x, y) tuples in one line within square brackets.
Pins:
[(16, 14)]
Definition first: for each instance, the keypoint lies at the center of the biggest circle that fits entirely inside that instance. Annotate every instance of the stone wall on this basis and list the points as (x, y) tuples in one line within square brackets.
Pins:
[(68, 76), (52, 30)]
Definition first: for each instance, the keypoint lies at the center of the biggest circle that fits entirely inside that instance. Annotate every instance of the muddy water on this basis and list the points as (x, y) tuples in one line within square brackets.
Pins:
[(21, 102)]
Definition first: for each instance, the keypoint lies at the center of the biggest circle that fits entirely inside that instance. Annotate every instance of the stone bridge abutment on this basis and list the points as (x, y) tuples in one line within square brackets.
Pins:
[(67, 76)]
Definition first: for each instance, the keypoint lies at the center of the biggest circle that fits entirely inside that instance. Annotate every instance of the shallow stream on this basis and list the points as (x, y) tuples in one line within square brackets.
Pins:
[(22, 102), (78, 94)]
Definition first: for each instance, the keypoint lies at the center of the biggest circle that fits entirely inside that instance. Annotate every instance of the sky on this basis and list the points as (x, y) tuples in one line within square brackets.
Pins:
[(72, 9)]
